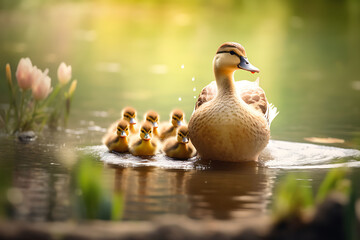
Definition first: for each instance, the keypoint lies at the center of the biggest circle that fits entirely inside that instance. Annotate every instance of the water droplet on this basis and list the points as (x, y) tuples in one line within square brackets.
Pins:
[(194, 89), (193, 79), (182, 66), (180, 99)]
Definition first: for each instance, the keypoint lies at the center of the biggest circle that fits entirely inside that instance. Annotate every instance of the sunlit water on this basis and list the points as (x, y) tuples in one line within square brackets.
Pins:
[(158, 57)]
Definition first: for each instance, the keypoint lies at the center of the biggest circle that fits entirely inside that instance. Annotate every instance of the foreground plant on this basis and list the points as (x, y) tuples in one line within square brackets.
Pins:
[(294, 195), (32, 101), (93, 200)]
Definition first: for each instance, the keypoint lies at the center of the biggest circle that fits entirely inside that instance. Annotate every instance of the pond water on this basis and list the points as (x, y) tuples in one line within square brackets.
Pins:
[(153, 55)]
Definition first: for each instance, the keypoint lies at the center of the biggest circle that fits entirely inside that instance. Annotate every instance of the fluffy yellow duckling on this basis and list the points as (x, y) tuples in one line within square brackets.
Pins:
[(128, 114), (169, 129), (231, 121), (146, 145), (118, 142), (153, 118), (179, 147)]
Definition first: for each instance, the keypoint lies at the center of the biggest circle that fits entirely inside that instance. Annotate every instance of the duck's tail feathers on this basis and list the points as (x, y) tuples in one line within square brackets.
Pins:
[(271, 113)]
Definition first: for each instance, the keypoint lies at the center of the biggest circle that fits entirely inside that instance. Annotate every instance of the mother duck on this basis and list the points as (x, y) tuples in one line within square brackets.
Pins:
[(231, 121)]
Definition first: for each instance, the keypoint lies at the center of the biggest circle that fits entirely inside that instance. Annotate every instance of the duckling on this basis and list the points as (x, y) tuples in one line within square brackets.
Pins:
[(145, 146), (231, 120), (179, 147), (128, 114), (153, 118), (169, 129), (118, 142)]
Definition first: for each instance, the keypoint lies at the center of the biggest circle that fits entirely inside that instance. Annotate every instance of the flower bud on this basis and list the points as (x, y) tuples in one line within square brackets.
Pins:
[(23, 73), (72, 88), (64, 73)]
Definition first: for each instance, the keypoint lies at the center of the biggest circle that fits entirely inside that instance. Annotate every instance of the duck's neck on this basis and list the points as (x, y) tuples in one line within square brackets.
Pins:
[(132, 128), (225, 82), (156, 132)]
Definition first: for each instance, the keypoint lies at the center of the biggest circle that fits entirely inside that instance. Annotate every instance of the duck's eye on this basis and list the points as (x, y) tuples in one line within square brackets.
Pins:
[(232, 52), (142, 131), (174, 118), (119, 129), (149, 131)]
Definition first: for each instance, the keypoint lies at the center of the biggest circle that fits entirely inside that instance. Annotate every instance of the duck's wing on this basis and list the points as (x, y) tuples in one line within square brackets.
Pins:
[(254, 95), (250, 92), (206, 94)]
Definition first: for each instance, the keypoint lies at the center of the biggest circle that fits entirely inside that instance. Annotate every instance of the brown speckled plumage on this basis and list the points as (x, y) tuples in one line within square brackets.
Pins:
[(250, 92), (229, 122)]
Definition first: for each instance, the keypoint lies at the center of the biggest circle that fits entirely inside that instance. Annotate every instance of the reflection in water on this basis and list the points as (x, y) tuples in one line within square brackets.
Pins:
[(224, 191), (229, 191)]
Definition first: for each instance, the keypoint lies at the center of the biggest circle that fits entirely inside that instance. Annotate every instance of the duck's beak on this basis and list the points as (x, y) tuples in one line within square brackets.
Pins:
[(179, 123), (246, 65), (123, 134), (155, 124), (185, 140), (132, 121), (147, 137)]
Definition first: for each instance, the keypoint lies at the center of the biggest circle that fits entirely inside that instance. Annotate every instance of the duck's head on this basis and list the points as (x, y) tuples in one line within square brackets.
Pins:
[(129, 114), (231, 56), (123, 128), (153, 118), (182, 134), (146, 131), (177, 117)]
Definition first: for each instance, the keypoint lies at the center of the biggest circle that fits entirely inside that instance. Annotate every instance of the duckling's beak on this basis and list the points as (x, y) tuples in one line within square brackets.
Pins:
[(179, 123), (123, 134), (155, 124), (147, 137), (246, 65), (132, 121), (185, 140)]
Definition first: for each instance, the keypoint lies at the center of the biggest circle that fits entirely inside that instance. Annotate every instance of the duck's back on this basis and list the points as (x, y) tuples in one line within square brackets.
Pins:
[(250, 92)]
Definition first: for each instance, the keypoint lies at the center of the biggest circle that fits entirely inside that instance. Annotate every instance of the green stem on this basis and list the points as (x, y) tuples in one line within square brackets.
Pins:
[(52, 96), (28, 124), (21, 110)]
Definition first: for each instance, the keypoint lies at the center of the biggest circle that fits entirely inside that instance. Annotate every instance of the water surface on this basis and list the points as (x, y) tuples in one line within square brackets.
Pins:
[(158, 56)]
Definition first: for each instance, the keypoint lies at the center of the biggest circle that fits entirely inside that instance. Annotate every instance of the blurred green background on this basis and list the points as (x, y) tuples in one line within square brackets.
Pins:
[(150, 54)]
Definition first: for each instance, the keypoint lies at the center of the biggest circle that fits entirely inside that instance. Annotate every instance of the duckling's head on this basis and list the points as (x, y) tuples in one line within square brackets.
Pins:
[(231, 56), (182, 134), (123, 128), (177, 117), (129, 114), (146, 131), (153, 118)]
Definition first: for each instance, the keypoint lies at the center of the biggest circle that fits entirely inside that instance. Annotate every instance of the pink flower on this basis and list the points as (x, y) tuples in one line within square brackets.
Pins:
[(41, 87), (64, 73), (23, 73)]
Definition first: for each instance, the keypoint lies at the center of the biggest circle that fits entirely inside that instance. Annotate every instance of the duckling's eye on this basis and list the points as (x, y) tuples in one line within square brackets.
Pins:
[(119, 129), (142, 131), (232, 52), (149, 131), (174, 118)]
